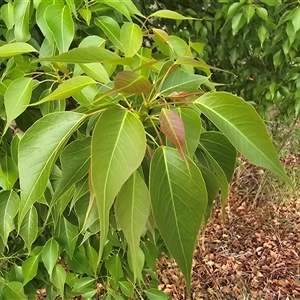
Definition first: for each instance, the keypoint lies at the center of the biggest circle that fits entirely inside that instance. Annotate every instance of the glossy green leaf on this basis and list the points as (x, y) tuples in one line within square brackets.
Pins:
[(58, 277), (83, 284), (243, 127), (218, 171), (172, 126), (127, 289), (131, 82), (29, 228), (154, 294), (67, 89), (137, 263), (14, 290), (86, 96), (178, 194), (76, 168), (30, 268), (132, 210), (212, 188), (233, 9), (83, 55), (67, 235), (96, 71), (86, 14), (59, 20), (38, 151), (221, 150), (250, 11), (169, 14), (16, 98), (50, 255), (193, 125), (9, 205), (7, 13), (296, 19), (114, 267), (21, 18), (180, 81), (117, 5), (9, 172), (13, 49), (131, 38), (79, 263), (262, 13), (111, 29), (118, 148)]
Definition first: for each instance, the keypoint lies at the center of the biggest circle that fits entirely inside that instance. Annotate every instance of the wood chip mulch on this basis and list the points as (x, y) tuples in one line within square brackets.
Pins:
[(255, 254)]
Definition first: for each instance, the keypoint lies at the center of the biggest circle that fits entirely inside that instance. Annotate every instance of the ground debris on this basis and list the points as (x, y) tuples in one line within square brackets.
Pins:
[(253, 255)]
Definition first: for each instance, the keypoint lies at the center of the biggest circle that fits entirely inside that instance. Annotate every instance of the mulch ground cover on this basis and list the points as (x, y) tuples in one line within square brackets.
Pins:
[(254, 254)]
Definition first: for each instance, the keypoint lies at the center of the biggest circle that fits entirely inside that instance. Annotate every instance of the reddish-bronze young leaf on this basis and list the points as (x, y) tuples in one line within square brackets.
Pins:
[(130, 82), (172, 126)]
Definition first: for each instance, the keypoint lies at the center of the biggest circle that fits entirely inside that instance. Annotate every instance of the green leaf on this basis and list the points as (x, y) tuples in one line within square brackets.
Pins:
[(21, 18), (111, 29), (169, 14), (7, 13), (243, 127), (95, 71), (30, 268), (127, 289), (14, 290), (50, 255), (221, 150), (114, 267), (86, 14), (180, 81), (83, 55), (250, 10), (262, 34), (79, 263), (76, 168), (193, 125), (13, 49), (262, 13), (218, 171), (233, 9), (237, 23), (84, 284), (117, 5), (9, 172), (154, 294), (29, 228), (179, 199), (212, 188), (172, 126), (59, 20), (131, 39), (271, 2), (68, 88), (131, 82), (9, 205), (296, 19), (67, 235), (38, 150), (16, 98), (58, 278), (132, 209), (118, 148)]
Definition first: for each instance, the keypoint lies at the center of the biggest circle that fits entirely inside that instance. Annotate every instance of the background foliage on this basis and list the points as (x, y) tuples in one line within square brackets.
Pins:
[(257, 41), (105, 158)]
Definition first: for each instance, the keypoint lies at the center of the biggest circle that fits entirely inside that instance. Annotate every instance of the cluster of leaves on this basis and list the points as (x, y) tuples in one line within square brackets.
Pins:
[(104, 157), (257, 41)]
